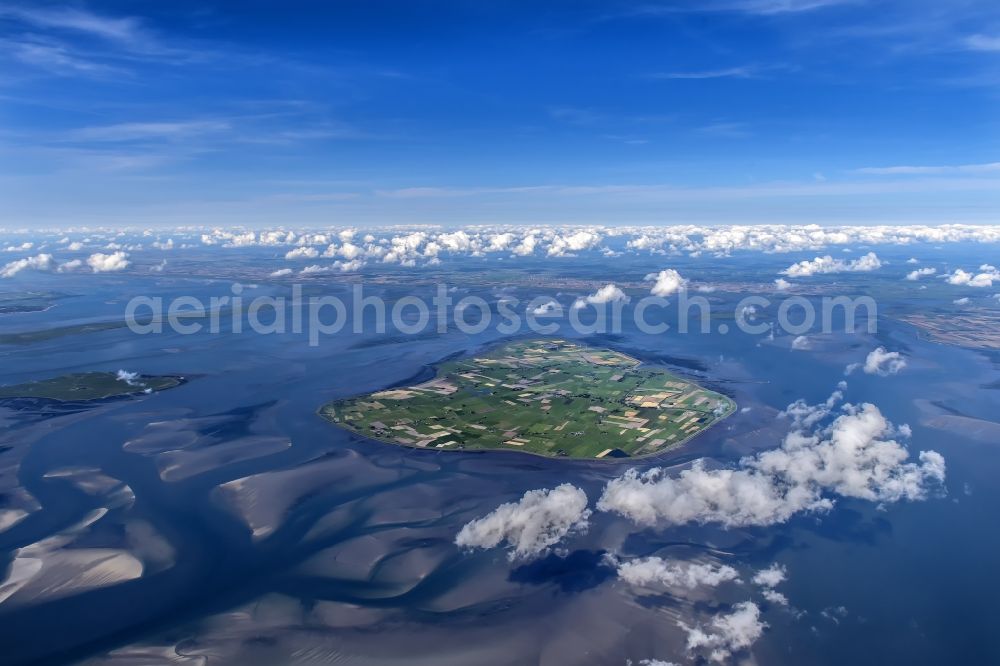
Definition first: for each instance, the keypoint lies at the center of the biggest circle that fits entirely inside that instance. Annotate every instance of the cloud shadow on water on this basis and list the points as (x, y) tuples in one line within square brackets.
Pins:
[(578, 571)]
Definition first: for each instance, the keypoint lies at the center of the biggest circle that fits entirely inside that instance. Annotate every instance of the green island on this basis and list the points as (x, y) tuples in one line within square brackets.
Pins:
[(548, 397), (91, 386)]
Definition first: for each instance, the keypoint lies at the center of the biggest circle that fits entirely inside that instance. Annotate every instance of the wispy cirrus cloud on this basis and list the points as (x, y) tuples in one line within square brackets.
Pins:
[(138, 131), (575, 115), (55, 57), (730, 130), (913, 170), (767, 7), (125, 159), (123, 29), (307, 131), (449, 192), (979, 42), (756, 7), (73, 41), (740, 72), (677, 192)]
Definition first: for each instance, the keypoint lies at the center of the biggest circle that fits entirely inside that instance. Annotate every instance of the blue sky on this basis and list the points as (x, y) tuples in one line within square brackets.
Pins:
[(720, 111)]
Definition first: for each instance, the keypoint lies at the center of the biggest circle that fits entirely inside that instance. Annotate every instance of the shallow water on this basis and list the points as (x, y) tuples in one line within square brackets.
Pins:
[(341, 550)]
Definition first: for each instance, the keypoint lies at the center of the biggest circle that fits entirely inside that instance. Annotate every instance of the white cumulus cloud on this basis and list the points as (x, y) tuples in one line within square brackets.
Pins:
[(726, 633), (772, 576), (656, 571), (854, 456), (879, 362), (70, 266), (547, 308), (108, 263), (775, 597), (302, 253), (919, 273), (23, 247), (130, 378), (40, 262), (564, 245), (828, 264), (666, 282), (609, 293), (532, 525), (986, 276)]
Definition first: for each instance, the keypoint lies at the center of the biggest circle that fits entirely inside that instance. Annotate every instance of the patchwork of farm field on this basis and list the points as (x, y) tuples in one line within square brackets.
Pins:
[(549, 397)]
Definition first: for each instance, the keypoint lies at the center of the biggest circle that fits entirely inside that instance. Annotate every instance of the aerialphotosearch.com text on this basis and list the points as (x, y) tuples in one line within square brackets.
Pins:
[(319, 316)]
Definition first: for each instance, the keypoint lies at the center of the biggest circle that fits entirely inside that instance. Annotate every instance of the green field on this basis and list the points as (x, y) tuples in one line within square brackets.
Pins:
[(549, 397), (89, 386)]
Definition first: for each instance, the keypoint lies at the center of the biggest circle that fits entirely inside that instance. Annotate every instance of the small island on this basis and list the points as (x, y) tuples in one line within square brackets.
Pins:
[(84, 386), (548, 397)]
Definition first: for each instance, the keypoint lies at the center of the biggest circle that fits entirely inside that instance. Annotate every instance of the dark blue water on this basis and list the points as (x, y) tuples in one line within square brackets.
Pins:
[(354, 556)]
